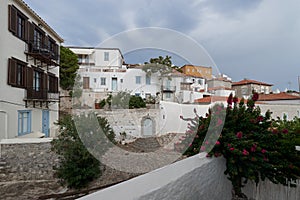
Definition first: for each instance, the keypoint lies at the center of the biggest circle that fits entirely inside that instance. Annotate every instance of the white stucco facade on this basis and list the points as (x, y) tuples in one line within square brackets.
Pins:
[(12, 98)]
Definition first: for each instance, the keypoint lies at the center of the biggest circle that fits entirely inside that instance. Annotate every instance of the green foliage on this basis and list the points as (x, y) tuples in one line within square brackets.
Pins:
[(68, 68), (159, 65), (136, 102), (102, 103), (77, 166), (255, 146), (123, 100)]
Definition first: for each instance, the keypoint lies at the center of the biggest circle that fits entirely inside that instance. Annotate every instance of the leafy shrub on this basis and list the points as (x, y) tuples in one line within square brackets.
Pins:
[(255, 146), (77, 166)]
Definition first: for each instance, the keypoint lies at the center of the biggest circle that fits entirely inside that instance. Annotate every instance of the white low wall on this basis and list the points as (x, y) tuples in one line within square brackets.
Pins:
[(193, 178)]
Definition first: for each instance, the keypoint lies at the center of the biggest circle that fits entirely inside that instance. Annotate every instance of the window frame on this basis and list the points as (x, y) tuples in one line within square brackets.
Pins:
[(103, 81), (21, 119), (138, 80), (16, 73), (148, 80), (106, 56)]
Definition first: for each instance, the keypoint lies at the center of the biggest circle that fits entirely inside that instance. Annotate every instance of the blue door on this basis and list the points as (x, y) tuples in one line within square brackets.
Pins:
[(114, 84), (45, 122)]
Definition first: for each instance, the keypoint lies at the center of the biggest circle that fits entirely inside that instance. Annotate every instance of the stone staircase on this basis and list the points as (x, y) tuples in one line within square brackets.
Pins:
[(148, 144)]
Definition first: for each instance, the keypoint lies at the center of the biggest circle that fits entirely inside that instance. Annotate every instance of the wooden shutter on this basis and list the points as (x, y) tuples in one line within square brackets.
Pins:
[(12, 19), (56, 85), (12, 72), (29, 78), (55, 49), (30, 34)]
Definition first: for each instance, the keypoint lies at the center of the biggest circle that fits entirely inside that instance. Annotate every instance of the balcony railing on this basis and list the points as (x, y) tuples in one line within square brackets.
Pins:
[(41, 50), (41, 94), (168, 88)]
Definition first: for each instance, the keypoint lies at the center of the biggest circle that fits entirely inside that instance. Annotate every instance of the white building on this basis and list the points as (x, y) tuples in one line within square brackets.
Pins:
[(29, 74), (103, 71)]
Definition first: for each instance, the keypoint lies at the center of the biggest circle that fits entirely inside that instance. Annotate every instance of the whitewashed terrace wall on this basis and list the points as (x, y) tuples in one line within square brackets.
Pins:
[(193, 178)]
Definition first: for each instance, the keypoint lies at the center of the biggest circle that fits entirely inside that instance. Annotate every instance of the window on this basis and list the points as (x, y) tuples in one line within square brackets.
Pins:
[(20, 27), (106, 56), (16, 73), (24, 122), (148, 80), (103, 81), (138, 79), (17, 22), (137, 94), (95, 80), (37, 39), (37, 81), (121, 80), (200, 82), (168, 95)]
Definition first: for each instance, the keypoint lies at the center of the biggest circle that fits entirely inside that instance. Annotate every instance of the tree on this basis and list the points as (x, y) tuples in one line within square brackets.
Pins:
[(68, 68), (160, 65)]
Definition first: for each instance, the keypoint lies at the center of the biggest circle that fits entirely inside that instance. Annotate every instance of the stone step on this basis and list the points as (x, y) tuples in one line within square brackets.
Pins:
[(145, 144)]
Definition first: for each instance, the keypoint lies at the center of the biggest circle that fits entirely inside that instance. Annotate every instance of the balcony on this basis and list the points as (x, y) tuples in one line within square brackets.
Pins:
[(43, 52), (34, 95), (167, 88)]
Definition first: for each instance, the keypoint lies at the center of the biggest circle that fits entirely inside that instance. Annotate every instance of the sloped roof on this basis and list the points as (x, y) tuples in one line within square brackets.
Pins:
[(212, 99), (249, 81), (279, 96)]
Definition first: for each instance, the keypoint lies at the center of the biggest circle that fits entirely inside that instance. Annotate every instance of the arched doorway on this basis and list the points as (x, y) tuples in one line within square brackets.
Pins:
[(148, 126)]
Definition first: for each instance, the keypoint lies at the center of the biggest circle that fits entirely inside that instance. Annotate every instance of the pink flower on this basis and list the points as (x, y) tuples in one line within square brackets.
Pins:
[(260, 118), (202, 148), (253, 148), (263, 151), (190, 145), (266, 159), (229, 100), (229, 145), (208, 155), (219, 108), (239, 135), (206, 142), (219, 122), (218, 142), (285, 131), (255, 96), (231, 149), (245, 152)]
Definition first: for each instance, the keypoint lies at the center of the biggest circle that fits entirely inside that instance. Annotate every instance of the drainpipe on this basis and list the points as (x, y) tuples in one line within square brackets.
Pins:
[(6, 121)]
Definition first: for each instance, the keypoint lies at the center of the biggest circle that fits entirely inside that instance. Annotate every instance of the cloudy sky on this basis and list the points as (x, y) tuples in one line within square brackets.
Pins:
[(254, 39)]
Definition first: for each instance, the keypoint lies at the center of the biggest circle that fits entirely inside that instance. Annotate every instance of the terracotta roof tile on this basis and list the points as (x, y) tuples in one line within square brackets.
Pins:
[(280, 96), (248, 81)]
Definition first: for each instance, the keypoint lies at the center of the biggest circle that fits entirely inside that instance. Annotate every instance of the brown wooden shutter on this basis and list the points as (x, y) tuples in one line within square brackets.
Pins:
[(56, 51), (12, 72), (45, 85), (30, 34), (29, 78), (12, 19), (56, 85)]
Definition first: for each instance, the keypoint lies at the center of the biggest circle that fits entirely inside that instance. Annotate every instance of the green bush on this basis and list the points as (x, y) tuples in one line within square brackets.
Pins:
[(136, 102), (255, 146), (77, 166)]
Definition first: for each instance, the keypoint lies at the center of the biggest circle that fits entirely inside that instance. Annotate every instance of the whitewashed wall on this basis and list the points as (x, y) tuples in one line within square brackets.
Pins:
[(193, 178)]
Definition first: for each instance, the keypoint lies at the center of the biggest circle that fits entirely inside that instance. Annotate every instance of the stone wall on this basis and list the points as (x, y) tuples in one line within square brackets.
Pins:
[(26, 168)]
